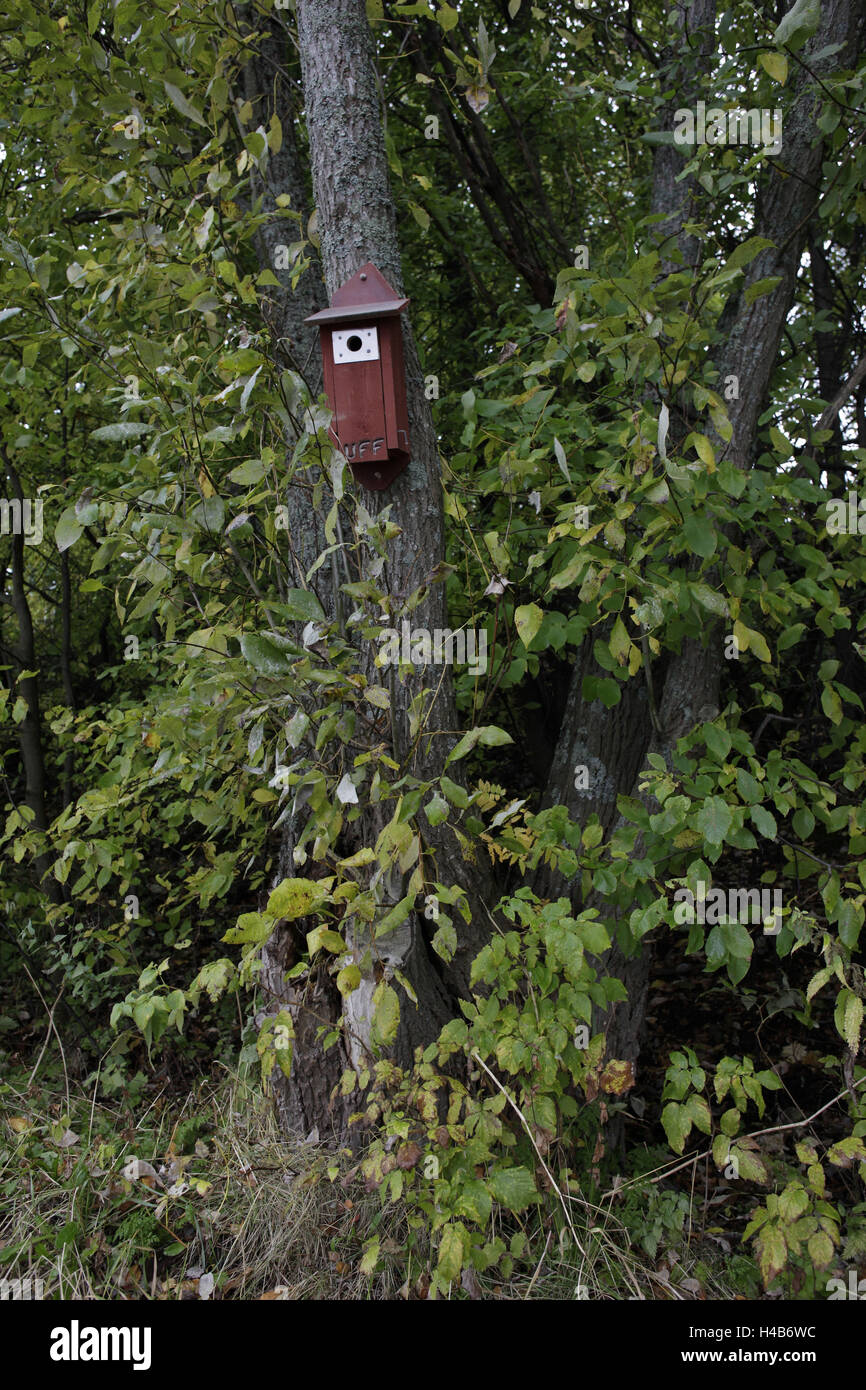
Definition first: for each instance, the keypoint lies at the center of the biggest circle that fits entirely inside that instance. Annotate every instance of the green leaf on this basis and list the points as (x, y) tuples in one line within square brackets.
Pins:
[(397, 916), (758, 645), (566, 577), (488, 735), (620, 642), (676, 1124), (121, 430), (772, 1252), (180, 103), (705, 451), (209, 514), (847, 1151), (512, 1188), (386, 1015), (714, 820), (749, 1165), (820, 1248), (764, 821), (445, 941), (475, 1202), (437, 810), (561, 460), (738, 942), (527, 620), (457, 795), (700, 535), (421, 216), (799, 24), (699, 1113), (301, 605), (594, 936), (264, 655), (761, 287), (776, 64), (748, 787), (450, 1261), (746, 252), (248, 390), (323, 939), (848, 1018), (295, 897), (252, 927), (446, 17), (68, 529), (248, 473), (566, 946), (718, 741), (831, 704)]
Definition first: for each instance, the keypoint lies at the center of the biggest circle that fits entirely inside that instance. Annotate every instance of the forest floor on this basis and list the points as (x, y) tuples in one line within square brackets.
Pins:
[(185, 1189)]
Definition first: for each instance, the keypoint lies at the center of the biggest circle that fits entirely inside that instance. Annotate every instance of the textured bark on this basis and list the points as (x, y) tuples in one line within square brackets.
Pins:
[(685, 64), (269, 90), (357, 224)]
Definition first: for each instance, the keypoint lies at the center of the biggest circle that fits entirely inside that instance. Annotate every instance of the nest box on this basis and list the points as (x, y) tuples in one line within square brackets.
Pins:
[(365, 380)]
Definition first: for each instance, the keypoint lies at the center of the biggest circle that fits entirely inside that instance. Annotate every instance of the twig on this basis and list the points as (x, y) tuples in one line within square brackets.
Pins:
[(771, 1129), (538, 1266), (551, 1179)]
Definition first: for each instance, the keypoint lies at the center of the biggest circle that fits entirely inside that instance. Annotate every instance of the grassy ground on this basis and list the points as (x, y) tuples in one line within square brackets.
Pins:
[(194, 1195)]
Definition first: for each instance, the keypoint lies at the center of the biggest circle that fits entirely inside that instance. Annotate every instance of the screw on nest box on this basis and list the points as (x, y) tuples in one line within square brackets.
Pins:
[(365, 376)]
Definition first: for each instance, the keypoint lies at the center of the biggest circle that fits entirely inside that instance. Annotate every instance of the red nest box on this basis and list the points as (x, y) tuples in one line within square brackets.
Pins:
[(365, 380)]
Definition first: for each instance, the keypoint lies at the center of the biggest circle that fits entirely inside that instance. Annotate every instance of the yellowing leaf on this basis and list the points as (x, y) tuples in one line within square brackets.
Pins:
[(322, 939), (450, 1260), (348, 979), (386, 1015), (619, 642), (772, 1253), (528, 619), (776, 64), (617, 1077), (759, 646), (704, 450), (370, 1257), (294, 898)]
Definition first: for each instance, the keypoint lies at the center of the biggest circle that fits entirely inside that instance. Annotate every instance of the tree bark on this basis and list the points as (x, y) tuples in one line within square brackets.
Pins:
[(357, 223)]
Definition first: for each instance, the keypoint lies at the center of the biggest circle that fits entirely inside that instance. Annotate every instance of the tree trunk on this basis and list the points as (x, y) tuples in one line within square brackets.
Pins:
[(30, 727), (357, 223), (356, 218), (688, 690)]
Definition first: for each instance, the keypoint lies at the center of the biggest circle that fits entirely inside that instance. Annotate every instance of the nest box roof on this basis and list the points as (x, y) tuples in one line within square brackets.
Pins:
[(366, 295)]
